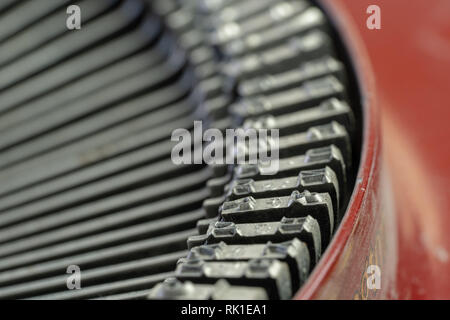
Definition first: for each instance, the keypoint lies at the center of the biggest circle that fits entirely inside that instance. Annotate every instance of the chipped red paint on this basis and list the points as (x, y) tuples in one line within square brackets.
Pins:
[(404, 74)]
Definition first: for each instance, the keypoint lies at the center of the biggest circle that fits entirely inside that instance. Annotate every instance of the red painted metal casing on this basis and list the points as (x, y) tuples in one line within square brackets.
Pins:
[(398, 215)]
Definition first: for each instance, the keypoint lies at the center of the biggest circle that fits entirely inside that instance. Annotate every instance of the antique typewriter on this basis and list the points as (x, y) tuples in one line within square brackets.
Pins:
[(86, 118)]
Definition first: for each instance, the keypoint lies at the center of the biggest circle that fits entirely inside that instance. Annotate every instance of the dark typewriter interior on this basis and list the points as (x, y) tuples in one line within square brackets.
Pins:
[(86, 118)]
